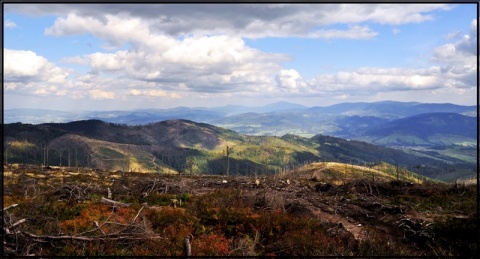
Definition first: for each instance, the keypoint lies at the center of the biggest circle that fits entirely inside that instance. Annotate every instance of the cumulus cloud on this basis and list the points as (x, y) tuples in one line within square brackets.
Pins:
[(462, 49), (173, 50), (201, 63), (459, 60), (367, 80), (23, 66), (290, 79), (116, 29), (100, 95), (456, 73), (176, 51), (243, 20), (379, 79)]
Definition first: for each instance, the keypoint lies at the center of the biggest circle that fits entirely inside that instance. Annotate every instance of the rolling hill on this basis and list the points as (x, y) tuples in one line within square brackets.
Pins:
[(429, 129), (189, 147), (345, 120)]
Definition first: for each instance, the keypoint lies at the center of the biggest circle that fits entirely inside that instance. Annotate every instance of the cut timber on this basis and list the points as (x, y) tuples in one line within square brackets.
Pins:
[(115, 203)]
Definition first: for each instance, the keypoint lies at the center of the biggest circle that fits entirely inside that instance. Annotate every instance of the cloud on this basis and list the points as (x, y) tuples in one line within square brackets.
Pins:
[(354, 32), (100, 95), (9, 24), (115, 29), (459, 60), (201, 63), (240, 20), (452, 35), (367, 80), (464, 48), (170, 48), (290, 79), (454, 73), (155, 93), (184, 51), (371, 79), (26, 66), (392, 14)]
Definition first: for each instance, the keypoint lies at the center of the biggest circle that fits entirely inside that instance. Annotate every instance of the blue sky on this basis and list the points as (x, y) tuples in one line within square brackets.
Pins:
[(123, 57)]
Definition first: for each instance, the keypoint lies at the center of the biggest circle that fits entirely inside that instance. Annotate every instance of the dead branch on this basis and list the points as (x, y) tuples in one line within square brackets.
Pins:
[(115, 203), (9, 207), (82, 238), (140, 210), (98, 227), (18, 223)]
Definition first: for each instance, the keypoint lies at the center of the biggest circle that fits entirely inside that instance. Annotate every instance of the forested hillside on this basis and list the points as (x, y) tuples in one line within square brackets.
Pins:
[(182, 146)]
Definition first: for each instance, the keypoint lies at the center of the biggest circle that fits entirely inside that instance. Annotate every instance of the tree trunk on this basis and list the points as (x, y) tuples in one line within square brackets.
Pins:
[(187, 247)]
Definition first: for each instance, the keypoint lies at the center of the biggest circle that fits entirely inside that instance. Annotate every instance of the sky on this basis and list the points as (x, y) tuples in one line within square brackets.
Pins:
[(141, 56)]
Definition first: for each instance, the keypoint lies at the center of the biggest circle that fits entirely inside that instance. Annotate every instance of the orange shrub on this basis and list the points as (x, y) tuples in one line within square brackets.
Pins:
[(99, 213), (210, 245)]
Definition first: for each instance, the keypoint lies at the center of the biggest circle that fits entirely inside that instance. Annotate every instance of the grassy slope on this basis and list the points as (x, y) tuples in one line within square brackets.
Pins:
[(339, 173)]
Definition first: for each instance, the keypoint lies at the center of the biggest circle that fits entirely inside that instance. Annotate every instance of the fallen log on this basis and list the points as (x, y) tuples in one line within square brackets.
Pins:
[(82, 238)]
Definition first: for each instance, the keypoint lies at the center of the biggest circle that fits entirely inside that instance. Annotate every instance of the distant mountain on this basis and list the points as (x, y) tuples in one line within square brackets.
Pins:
[(346, 120), (386, 110), (392, 109), (187, 146), (429, 129), (142, 116), (363, 121), (38, 116)]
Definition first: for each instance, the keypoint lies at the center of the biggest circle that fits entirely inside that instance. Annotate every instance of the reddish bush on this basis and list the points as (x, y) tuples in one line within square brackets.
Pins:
[(210, 245), (99, 213)]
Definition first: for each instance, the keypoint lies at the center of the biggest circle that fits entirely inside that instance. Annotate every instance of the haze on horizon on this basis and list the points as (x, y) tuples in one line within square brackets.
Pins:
[(143, 56)]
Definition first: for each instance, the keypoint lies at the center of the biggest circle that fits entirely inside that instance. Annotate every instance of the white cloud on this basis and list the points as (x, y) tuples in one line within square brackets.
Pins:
[(290, 79), (22, 65), (99, 94), (452, 35), (9, 24), (241, 20), (378, 79), (459, 60), (155, 93), (202, 63), (462, 49), (354, 32), (116, 29), (135, 92), (211, 56), (396, 14), (198, 51)]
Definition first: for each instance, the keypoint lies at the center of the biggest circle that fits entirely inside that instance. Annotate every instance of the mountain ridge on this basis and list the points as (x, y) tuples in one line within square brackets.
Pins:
[(188, 146), (34, 116)]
